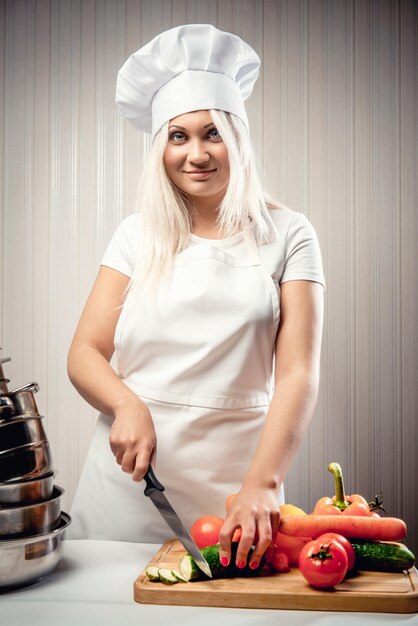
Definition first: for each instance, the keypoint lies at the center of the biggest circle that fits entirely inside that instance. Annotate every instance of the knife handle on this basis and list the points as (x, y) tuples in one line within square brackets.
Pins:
[(153, 483)]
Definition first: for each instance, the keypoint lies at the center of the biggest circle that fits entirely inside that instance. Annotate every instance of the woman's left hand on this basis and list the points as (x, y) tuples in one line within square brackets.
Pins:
[(254, 509)]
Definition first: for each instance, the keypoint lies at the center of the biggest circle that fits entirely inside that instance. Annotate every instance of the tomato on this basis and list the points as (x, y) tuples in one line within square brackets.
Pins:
[(292, 546), (279, 561), (351, 555), (323, 563), (205, 530)]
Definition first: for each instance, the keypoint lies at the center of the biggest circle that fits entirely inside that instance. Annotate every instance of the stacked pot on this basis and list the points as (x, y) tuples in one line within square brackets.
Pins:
[(32, 524)]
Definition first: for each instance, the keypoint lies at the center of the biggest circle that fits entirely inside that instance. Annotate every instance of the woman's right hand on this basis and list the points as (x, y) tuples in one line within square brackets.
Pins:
[(133, 440)]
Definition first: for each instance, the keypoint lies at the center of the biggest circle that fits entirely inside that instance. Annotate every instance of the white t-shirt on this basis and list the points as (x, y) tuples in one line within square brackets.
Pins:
[(293, 255)]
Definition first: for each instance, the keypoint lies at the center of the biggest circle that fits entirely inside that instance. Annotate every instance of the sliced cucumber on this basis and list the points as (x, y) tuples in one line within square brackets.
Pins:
[(179, 577), (188, 568), (166, 576), (152, 573)]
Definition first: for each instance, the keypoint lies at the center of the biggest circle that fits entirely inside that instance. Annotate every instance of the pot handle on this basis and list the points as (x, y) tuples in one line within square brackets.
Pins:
[(33, 387)]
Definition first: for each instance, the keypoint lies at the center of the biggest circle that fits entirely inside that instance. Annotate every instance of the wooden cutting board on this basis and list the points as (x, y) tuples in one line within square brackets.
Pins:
[(365, 591)]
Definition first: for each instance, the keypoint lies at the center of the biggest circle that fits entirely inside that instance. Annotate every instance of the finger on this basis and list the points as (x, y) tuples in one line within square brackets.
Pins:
[(141, 465), (225, 538), (275, 518), (119, 455), (268, 555), (153, 457), (265, 540), (128, 462), (244, 545)]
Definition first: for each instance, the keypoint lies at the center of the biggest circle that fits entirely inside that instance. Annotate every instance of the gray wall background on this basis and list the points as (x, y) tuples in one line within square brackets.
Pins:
[(334, 121)]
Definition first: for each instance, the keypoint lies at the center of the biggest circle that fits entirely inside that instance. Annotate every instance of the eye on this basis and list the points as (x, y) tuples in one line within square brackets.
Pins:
[(177, 136), (214, 133)]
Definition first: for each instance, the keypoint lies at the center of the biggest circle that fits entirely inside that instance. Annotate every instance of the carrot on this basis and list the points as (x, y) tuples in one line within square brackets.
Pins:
[(359, 527)]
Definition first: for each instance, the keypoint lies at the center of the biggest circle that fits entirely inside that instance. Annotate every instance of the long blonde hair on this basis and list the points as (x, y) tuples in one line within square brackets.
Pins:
[(165, 211)]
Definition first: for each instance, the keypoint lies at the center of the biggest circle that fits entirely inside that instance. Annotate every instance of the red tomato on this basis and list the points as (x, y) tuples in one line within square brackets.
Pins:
[(205, 530), (323, 564), (351, 555), (279, 561)]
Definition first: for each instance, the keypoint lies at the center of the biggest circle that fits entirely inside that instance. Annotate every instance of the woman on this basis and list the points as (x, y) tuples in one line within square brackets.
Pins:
[(211, 297)]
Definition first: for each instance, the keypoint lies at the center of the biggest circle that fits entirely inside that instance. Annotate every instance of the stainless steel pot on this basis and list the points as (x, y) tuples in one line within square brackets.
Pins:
[(21, 431), (7, 408), (25, 561), (26, 491), (40, 517), (29, 461), (23, 400)]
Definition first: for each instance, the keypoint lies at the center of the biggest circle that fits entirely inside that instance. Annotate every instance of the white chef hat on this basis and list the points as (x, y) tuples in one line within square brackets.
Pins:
[(187, 68)]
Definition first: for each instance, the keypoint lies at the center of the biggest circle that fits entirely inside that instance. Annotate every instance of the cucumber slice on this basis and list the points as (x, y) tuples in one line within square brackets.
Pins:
[(179, 577), (152, 573), (188, 568), (166, 576)]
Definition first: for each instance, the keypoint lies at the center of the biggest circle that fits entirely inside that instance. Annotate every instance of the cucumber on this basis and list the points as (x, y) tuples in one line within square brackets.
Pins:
[(166, 576), (190, 570), (152, 573), (382, 556), (179, 577)]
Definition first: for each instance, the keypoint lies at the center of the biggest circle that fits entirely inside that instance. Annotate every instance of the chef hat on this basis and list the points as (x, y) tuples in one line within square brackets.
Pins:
[(187, 68)]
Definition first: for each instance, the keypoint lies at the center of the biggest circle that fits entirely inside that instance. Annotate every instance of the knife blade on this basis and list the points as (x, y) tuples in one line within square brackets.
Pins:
[(154, 491)]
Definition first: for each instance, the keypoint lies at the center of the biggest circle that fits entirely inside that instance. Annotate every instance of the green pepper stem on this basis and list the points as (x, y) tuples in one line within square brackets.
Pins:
[(340, 500)]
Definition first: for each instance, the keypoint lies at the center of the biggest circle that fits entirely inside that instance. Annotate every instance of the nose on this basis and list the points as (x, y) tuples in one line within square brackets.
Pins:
[(198, 152)]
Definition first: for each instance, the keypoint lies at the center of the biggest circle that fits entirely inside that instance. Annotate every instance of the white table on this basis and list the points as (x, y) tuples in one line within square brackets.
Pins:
[(93, 585)]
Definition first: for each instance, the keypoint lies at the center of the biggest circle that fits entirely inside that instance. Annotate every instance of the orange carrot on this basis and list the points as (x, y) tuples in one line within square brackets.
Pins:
[(359, 527)]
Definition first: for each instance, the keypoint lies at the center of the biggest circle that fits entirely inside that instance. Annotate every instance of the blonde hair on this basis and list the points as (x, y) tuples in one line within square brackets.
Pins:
[(166, 212)]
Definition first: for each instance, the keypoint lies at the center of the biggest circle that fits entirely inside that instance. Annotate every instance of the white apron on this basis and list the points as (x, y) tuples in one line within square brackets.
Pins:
[(202, 361)]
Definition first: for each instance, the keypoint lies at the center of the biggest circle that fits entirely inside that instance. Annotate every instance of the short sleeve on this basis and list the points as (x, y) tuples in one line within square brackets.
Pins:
[(303, 259), (120, 253)]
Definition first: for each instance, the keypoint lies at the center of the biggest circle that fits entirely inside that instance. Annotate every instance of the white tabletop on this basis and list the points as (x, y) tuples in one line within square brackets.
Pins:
[(93, 585)]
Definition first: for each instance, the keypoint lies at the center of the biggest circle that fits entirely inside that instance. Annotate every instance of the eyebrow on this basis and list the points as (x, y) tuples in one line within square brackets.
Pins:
[(182, 127)]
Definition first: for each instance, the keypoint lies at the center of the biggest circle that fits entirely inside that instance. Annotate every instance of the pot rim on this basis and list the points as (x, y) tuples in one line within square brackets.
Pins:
[(57, 492), (27, 481), (64, 521), (26, 447), (23, 417)]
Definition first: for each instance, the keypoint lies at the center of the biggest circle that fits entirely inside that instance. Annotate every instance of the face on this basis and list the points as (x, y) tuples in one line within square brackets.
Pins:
[(196, 158)]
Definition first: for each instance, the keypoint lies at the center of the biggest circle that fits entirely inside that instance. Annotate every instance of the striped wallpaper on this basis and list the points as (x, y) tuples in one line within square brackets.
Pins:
[(334, 121)]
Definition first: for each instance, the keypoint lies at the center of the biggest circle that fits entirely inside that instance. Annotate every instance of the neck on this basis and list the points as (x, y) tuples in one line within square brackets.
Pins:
[(204, 215)]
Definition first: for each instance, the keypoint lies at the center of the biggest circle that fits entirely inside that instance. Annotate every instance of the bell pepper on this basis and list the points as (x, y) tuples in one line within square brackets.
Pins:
[(340, 503)]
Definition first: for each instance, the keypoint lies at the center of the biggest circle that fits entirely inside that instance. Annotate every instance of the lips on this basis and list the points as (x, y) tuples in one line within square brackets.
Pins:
[(200, 174)]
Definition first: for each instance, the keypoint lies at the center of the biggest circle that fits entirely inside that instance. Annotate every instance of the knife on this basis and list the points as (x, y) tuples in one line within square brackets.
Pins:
[(154, 491)]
